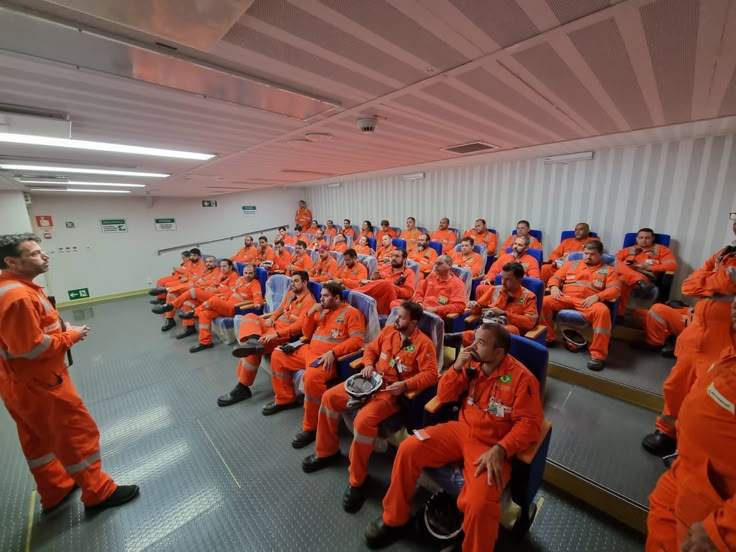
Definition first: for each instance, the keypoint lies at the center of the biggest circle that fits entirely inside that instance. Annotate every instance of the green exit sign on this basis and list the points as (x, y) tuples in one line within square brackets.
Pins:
[(82, 293), (209, 203)]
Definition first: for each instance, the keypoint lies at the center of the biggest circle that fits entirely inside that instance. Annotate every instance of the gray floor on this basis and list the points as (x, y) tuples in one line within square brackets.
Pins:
[(214, 478), (640, 369)]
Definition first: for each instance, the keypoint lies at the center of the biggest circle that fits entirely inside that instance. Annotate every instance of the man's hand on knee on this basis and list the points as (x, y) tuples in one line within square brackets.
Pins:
[(492, 461)]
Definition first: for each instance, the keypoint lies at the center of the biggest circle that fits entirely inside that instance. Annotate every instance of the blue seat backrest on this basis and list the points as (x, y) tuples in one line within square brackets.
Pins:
[(437, 246), (338, 257), (398, 242), (262, 276), (536, 253), (578, 256), (370, 262), (532, 284), (277, 286), (661, 239), (571, 234), (457, 233), (396, 229), (367, 306), (430, 324), (316, 289), (415, 267), (314, 254), (533, 355), (423, 230), (289, 248), (239, 267), (372, 243), (467, 278), (536, 233), (477, 248)]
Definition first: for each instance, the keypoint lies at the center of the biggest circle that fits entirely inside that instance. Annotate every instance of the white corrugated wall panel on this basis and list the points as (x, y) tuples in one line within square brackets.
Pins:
[(684, 188)]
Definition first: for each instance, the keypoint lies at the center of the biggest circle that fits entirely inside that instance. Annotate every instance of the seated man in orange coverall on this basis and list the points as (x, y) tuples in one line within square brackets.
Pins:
[(385, 229), (281, 258), (326, 267), (585, 286), (518, 255), (262, 334), (641, 264), (318, 239), (265, 253), (245, 291), (192, 270), (385, 249), (522, 229), (424, 255), (333, 329), (482, 236), (347, 229), (510, 299), (176, 274), (467, 258), (501, 416), (406, 359), (700, 344), (59, 438), (443, 235), (362, 247), (302, 259), (558, 257), (662, 324), (441, 292), (411, 234), (330, 229), (339, 244), (392, 281), (352, 272), (247, 253), (693, 506)]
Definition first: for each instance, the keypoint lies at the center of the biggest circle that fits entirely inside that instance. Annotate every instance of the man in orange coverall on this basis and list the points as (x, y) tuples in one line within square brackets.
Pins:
[(339, 244), (385, 249), (392, 281), (441, 292), (333, 329), (265, 253), (483, 236), (318, 239), (262, 334), (522, 229), (245, 291), (500, 417), (558, 257), (58, 436), (424, 255), (385, 229), (247, 253), (640, 265), (518, 255), (693, 507), (192, 271), (352, 272), (176, 273), (301, 260), (467, 258), (406, 359), (330, 229), (662, 324), (510, 299), (281, 258), (411, 234), (326, 267), (443, 235), (303, 216), (700, 344), (585, 286)]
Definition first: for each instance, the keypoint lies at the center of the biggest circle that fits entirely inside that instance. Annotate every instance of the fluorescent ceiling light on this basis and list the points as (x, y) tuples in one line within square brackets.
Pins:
[(79, 190), (80, 183), (412, 176), (569, 157), (99, 146), (79, 170)]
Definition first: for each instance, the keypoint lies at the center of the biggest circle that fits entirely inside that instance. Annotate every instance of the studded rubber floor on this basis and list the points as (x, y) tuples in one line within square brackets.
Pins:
[(214, 478)]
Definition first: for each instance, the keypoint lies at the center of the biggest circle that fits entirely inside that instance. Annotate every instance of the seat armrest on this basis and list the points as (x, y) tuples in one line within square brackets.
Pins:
[(527, 456), (535, 332), (433, 405), (411, 394), (246, 305), (351, 357), (357, 364), (472, 318)]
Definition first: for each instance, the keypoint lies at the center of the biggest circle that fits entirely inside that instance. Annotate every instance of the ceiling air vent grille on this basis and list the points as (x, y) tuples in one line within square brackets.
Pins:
[(470, 147)]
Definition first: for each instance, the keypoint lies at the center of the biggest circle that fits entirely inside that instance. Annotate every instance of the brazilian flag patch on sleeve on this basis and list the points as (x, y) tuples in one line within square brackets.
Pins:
[(505, 378)]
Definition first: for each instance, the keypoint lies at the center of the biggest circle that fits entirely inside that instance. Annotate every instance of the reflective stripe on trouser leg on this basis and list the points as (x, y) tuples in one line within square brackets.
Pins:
[(600, 318), (675, 389), (205, 325), (248, 369), (334, 403), (656, 328), (315, 384), (549, 306), (282, 366), (365, 429), (251, 324)]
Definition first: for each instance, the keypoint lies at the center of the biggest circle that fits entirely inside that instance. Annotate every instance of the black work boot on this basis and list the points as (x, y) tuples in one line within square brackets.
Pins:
[(188, 330), (313, 463), (123, 494), (170, 323), (380, 535), (239, 393), (160, 309), (251, 347), (659, 444), (303, 438), (353, 499)]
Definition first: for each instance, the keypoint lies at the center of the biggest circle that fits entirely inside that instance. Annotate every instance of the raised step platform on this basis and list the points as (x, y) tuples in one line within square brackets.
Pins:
[(596, 455)]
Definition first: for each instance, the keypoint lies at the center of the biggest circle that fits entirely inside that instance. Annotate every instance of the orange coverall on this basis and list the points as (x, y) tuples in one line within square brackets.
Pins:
[(488, 239), (323, 270), (351, 277), (520, 308), (193, 272), (380, 234), (368, 234), (59, 438), (223, 304), (332, 232), (579, 281), (281, 262), (515, 426), (418, 365), (708, 334), (661, 321), (301, 262), (178, 272), (446, 237), (411, 237), (288, 239), (362, 249), (701, 486), (348, 233), (288, 321), (530, 264), (342, 331), (425, 258), (315, 244), (385, 290), (340, 247), (383, 254), (189, 296), (473, 262), (658, 258), (533, 244), (303, 218), (567, 246), (263, 256), (447, 296), (245, 255)]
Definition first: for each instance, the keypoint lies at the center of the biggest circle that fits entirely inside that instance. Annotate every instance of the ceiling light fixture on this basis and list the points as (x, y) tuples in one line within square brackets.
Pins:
[(78, 170), (568, 158), (412, 176), (318, 137), (78, 190), (99, 146), (80, 183)]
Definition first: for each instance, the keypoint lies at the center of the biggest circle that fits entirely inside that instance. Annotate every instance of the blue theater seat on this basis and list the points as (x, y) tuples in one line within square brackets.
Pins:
[(536, 253), (571, 234)]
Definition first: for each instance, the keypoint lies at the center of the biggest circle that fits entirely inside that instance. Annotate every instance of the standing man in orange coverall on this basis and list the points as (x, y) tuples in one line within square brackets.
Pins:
[(701, 343), (392, 281), (333, 329), (262, 334), (558, 257), (444, 236), (500, 417), (662, 325), (693, 507), (640, 264), (303, 216), (58, 436), (441, 292), (483, 236), (585, 286), (407, 361), (424, 256)]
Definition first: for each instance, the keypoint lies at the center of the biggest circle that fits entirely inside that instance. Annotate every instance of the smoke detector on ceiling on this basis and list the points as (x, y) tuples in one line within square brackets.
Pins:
[(367, 125)]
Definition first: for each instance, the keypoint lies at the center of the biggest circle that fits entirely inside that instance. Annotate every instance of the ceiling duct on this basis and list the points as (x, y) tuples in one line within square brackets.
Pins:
[(470, 147)]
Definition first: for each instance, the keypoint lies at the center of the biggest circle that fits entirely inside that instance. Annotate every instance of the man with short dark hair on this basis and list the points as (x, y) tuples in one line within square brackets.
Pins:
[(284, 235), (247, 253), (352, 272), (467, 258), (331, 230), (444, 236), (558, 257), (393, 281), (176, 273), (59, 438), (318, 239), (424, 255), (407, 361), (501, 417), (411, 234), (303, 216), (347, 229), (522, 229), (518, 255), (483, 236), (281, 258), (385, 250), (385, 229), (301, 260), (265, 254), (441, 292), (326, 267)]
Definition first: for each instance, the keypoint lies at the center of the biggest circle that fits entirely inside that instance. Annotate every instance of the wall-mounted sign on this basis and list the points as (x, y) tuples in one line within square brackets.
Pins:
[(249, 210), (82, 293), (113, 226), (44, 221), (69, 224), (164, 224), (209, 203)]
